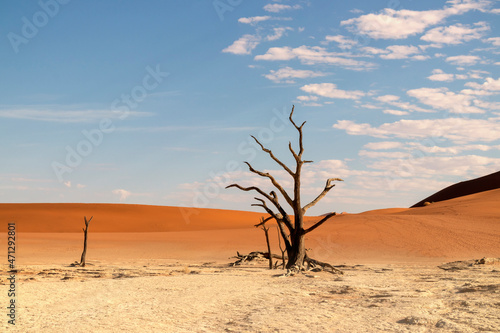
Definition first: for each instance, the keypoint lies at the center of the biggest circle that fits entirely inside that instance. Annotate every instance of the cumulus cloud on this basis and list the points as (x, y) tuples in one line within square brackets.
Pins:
[(254, 19), (493, 40), (278, 33), (463, 60), (276, 8), (490, 84), (456, 34), (395, 101), (307, 98), (396, 52), (451, 149), (383, 154), (342, 41), (330, 90), (313, 56), (440, 75), (400, 51), (459, 130), (431, 166), (396, 112), (383, 145), (243, 45), (398, 24), (443, 99), (124, 194), (287, 74)]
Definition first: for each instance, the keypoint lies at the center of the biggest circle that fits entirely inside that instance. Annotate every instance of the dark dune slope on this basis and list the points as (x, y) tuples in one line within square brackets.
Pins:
[(481, 184)]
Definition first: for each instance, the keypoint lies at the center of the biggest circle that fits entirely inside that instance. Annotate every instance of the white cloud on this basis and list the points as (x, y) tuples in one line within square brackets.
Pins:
[(440, 75), (278, 33), (382, 145), (451, 149), (442, 98), (330, 90), (459, 130), (396, 52), (276, 8), (370, 106), (431, 166), (398, 24), (243, 45), (373, 50), (124, 194), (287, 74), (254, 19), (395, 101), (383, 154), (489, 84), (420, 57), (307, 98), (493, 40), (463, 60), (456, 34), (400, 51), (342, 41), (396, 112), (387, 98), (67, 184), (313, 56)]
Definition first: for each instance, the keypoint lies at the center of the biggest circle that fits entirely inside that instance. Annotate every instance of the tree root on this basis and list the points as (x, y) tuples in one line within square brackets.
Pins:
[(313, 265)]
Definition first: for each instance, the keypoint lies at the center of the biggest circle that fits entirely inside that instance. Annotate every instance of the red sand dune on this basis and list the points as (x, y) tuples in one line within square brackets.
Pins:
[(122, 218), (461, 228)]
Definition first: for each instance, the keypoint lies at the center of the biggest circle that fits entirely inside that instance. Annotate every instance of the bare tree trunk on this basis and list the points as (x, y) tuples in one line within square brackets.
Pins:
[(297, 253), (82, 260), (281, 249), (266, 232)]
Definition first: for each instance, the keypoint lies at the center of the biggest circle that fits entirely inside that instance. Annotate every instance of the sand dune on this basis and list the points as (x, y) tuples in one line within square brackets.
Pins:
[(461, 228), (122, 218), (485, 183)]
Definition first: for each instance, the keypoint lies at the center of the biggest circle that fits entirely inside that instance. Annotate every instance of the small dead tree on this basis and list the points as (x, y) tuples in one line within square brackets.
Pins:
[(292, 231), (262, 224), (84, 253)]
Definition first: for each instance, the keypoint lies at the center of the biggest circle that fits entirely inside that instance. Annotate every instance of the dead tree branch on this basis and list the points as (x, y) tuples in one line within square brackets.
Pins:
[(320, 222), (327, 188)]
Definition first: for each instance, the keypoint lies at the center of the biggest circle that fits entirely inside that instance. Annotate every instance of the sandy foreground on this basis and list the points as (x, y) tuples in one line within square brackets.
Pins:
[(168, 296), (180, 280)]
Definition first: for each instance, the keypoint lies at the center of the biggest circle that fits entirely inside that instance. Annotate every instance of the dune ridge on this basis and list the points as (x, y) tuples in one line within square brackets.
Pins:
[(484, 183)]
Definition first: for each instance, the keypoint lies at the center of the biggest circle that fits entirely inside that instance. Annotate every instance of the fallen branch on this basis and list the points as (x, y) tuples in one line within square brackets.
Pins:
[(312, 264)]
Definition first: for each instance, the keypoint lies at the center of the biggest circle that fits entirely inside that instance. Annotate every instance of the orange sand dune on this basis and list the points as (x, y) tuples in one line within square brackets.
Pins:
[(461, 228), (122, 218)]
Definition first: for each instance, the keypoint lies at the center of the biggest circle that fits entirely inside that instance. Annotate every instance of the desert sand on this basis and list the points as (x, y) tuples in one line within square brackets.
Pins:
[(152, 270)]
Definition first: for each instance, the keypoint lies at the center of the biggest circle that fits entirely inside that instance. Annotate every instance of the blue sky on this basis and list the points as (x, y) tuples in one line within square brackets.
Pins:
[(154, 102)]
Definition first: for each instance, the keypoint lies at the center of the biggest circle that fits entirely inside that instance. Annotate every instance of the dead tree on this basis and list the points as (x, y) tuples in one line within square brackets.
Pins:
[(262, 224), (292, 230), (84, 253)]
